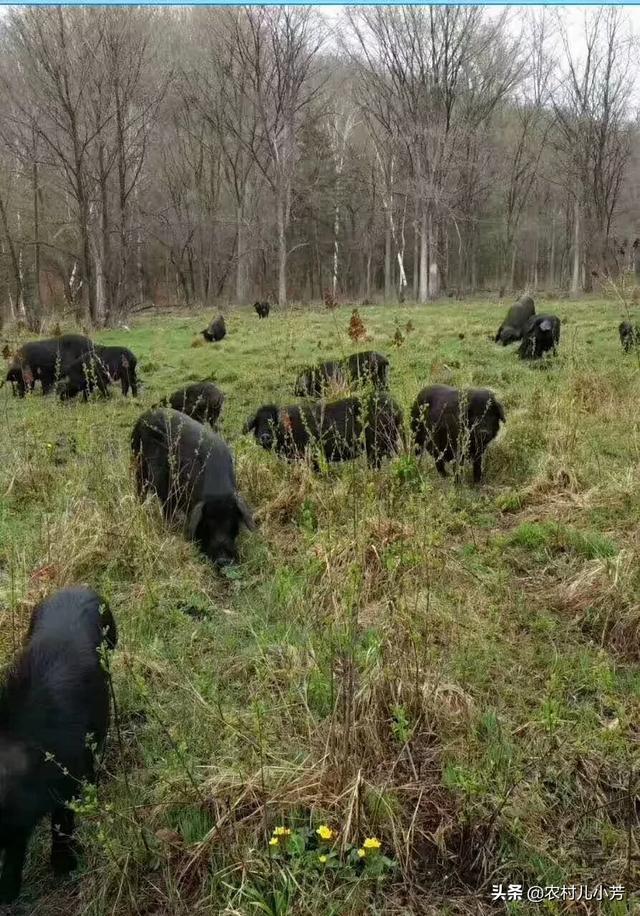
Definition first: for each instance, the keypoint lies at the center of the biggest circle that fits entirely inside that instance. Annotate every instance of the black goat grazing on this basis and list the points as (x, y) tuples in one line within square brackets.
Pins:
[(45, 361), (629, 335), (452, 425), (515, 321), (191, 470), (121, 364), (541, 334), (216, 330), (54, 713), (82, 376), (367, 366), (262, 309), (339, 430), (202, 401)]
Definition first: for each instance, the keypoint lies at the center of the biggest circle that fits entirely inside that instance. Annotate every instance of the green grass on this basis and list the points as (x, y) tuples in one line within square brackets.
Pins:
[(451, 669)]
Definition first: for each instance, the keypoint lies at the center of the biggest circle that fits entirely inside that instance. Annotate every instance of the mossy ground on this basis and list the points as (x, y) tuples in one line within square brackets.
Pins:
[(453, 669)]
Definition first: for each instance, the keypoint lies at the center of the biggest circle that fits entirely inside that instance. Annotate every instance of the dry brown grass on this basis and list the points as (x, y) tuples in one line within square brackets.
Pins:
[(602, 598)]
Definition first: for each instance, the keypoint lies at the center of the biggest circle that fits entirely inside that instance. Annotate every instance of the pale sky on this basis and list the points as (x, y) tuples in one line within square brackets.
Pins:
[(573, 17), (573, 14), (334, 10)]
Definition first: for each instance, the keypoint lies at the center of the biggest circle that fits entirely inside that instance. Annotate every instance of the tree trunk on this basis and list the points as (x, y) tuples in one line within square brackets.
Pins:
[(552, 254), (120, 297), (587, 255), (282, 249), (104, 308), (119, 293), (434, 272), (35, 312), (181, 282), (416, 249), (474, 266), (512, 273), (12, 254), (370, 229), (73, 286), (423, 290), (367, 288), (336, 212), (318, 259), (20, 307), (444, 273), (387, 257), (99, 312), (192, 273), (240, 262), (575, 280), (402, 276), (210, 269), (139, 267), (336, 231), (88, 298)]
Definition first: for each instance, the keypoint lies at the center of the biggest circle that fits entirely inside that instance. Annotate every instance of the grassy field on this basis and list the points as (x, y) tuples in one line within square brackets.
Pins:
[(452, 670)]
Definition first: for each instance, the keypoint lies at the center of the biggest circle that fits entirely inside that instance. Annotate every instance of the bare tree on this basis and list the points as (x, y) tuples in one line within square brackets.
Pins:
[(55, 60), (81, 101), (276, 50), (431, 74), (342, 124), (219, 83), (135, 97), (13, 253), (231, 152), (527, 127), (591, 106)]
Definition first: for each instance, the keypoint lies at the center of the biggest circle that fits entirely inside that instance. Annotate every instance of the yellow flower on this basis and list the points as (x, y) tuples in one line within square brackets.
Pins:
[(361, 853), (273, 841), (322, 859), (282, 831), (324, 832), (372, 842)]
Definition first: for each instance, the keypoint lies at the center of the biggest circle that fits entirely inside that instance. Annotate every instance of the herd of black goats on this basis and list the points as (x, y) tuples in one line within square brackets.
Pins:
[(54, 702)]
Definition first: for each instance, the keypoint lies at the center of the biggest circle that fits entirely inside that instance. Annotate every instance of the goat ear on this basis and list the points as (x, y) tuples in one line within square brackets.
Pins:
[(195, 517), (250, 424), (245, 513)]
